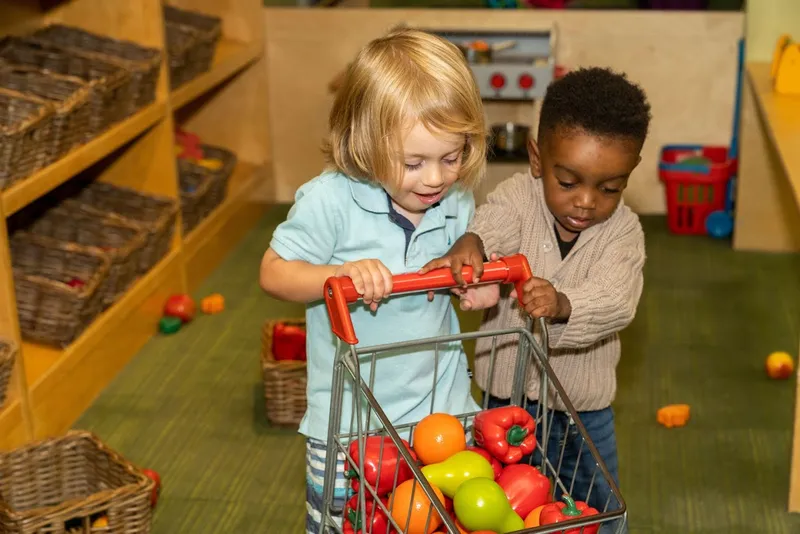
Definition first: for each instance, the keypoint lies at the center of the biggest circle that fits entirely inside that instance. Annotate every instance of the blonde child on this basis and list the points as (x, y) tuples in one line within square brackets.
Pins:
[(406, 145), (586, 250)]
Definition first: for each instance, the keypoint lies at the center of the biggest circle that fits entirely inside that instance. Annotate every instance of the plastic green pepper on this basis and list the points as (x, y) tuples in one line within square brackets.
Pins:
[(481, 504), (457, 469)]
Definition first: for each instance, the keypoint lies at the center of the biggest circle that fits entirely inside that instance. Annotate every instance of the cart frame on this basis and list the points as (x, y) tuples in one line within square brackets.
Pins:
[(339, 293)]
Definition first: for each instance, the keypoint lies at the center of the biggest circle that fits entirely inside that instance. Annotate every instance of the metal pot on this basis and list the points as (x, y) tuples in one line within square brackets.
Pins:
[(510, 137)]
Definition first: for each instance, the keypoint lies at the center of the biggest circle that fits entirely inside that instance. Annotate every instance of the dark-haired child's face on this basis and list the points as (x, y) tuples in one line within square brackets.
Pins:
[(583, 176)]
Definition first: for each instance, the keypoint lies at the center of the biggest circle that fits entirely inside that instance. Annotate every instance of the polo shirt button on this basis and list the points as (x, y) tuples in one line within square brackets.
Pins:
[(547, 246)]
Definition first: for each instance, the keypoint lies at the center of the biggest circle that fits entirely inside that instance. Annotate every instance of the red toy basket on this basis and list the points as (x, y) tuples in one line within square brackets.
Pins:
[(696, 178)]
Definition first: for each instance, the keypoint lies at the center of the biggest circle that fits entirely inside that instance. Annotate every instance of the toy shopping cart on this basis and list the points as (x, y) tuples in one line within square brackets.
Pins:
[(375, 507)]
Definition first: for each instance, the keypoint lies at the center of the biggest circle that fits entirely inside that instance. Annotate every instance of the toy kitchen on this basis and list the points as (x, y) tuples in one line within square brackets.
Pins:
[(513, 70)]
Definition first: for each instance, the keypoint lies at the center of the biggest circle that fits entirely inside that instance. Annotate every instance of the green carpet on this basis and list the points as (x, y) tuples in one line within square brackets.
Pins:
[(191, 405)]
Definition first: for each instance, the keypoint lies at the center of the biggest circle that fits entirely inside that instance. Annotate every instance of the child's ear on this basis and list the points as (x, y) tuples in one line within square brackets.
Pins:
[(534, 158)]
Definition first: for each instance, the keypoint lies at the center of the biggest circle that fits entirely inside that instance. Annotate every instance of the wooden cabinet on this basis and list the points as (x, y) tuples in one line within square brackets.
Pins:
[(224, 106)]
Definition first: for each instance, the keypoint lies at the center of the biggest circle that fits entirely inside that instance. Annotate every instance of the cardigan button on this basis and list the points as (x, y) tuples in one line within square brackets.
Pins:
[(547, 246)]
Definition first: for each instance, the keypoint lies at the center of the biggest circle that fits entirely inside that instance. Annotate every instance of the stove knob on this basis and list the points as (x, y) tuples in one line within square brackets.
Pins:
[(497, 81), (526, 81)]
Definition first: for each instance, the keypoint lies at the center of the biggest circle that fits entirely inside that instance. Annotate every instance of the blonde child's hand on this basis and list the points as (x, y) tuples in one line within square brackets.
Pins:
[(540, 299), (478, 297), (371, 278)]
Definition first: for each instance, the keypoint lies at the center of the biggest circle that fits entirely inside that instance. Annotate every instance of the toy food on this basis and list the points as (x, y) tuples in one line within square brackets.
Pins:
[(100, 522), (569, 510), (460, 467), (169, 325), (496, 465), (508, 433), (76, 282), (779, 365), (481, 504), (413, 512), (673, 415), (288, 342), (210, 164), (533, 518), (525, 486), (180, 306), (214, 303), (375, 521), (152, 475), (381, 460), (437, 437)]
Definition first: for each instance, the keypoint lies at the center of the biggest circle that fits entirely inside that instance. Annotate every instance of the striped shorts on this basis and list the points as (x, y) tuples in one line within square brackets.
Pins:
[(315, 477)]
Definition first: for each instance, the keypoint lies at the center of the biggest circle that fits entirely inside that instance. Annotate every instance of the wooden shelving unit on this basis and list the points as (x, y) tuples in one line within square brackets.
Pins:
[(224, 106)]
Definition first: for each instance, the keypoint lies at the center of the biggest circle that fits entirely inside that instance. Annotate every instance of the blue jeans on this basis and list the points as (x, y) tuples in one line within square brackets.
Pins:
[(577, 461)]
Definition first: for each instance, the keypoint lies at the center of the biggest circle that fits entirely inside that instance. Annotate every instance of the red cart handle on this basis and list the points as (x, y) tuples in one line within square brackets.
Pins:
[(339, 291)]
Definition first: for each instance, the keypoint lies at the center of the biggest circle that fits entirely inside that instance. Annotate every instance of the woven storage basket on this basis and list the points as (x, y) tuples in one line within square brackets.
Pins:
[(25, 129), (218, 188), (68, 95), (62, 484), (120, 240), (143, 63), (284, 381), (195, 187), (192, 39), (108, 81), (155, 215), (50, 310), (8, 353)]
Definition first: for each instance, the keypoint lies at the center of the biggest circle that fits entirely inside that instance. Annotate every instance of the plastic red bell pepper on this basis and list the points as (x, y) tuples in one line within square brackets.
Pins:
[(375, 522), (525, 486), (496, 465), (379, 466), (569, 510), (288, 342), (508, 433)]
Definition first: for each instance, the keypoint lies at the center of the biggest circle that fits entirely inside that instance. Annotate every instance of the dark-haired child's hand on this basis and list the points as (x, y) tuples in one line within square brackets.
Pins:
[(540, 299), (467, 250)]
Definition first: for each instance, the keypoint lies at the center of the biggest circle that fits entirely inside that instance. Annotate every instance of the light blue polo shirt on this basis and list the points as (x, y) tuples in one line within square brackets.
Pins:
[(336, 219)]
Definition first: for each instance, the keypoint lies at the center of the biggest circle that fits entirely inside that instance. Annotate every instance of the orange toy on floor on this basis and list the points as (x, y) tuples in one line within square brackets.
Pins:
[(673, 415)]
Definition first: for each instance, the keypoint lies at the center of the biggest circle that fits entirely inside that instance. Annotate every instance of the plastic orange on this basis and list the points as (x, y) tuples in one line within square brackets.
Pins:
[(533, 518), (420, 508), (213, 303), (437, 437)]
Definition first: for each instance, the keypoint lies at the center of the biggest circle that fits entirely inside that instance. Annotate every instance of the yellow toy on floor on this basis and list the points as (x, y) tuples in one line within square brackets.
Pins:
[(786, 66)]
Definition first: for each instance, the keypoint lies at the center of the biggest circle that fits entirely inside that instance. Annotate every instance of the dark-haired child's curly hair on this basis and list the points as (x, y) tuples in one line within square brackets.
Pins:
[(598, 101)]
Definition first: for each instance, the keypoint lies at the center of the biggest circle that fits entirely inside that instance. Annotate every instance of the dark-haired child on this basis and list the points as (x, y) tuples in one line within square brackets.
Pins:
[(586, 250)]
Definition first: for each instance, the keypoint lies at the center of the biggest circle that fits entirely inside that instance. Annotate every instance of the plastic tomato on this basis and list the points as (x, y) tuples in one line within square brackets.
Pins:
[(413, 512)]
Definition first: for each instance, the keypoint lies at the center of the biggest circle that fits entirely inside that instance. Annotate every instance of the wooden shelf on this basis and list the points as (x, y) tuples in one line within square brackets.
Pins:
[(29, 189), (63, 383), (230, 58), (206, 246), (781, 116), (12, 424)]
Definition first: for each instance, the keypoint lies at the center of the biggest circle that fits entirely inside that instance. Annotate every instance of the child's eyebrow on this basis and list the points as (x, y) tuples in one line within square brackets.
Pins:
[(580, 176)]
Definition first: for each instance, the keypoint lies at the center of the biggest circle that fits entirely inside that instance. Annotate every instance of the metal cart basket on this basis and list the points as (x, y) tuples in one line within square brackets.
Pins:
[(575, 452)]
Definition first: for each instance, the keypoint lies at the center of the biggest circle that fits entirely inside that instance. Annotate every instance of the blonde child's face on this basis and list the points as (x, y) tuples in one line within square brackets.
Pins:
[(432, 161)]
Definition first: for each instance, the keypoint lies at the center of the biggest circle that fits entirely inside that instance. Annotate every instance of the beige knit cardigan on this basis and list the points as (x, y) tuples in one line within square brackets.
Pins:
[(601, 277)]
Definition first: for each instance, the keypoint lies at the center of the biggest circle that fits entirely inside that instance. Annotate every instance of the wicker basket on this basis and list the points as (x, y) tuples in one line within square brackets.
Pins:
[(284, 381), (218, 186), (155, 215), (195, 188), (64, 483), (108, 81), (143, 63), (121, 240), (8, 353), (192, 39), (25, 129), (50, 310), (68, 95)]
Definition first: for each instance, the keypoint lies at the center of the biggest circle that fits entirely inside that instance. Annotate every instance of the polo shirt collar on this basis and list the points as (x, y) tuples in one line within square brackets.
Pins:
[(372, 197)]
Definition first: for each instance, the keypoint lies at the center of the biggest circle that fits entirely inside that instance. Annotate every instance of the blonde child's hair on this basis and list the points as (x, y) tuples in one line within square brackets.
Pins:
[(396, 80)]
